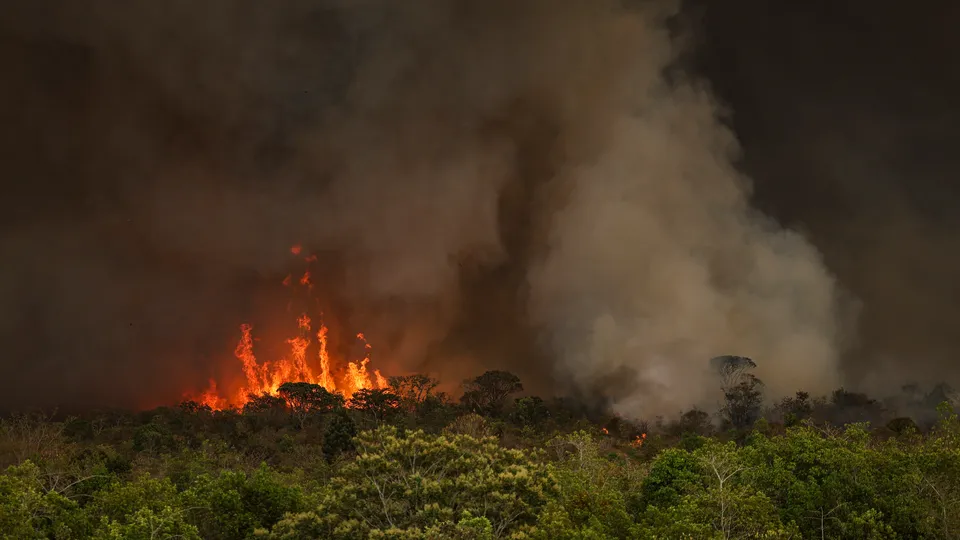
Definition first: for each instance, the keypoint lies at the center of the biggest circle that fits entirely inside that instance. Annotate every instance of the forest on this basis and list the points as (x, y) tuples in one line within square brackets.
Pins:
[(409, 462)]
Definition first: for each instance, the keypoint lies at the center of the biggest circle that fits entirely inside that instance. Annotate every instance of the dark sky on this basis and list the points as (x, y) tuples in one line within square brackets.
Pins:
[(846, 111)]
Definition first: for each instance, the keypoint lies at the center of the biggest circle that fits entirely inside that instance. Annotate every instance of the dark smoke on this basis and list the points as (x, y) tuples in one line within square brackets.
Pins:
[(500, 184)]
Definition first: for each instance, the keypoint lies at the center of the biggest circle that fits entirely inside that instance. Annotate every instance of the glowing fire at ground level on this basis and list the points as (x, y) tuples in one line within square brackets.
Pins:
[(637, 440), (267, 377)]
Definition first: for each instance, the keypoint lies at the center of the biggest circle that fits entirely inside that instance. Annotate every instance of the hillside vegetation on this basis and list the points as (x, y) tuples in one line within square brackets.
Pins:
[(409, 463)]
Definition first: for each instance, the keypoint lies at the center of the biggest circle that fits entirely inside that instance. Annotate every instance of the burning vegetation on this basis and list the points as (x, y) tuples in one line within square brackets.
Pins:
[(309, 360)]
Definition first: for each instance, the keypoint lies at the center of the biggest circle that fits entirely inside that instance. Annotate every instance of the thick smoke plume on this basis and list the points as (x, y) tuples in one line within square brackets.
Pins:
[(526, 185)]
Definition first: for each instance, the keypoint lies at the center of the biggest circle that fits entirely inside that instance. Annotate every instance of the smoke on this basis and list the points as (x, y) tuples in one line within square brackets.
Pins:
[(657, 261), (852, 136), (518, 185)]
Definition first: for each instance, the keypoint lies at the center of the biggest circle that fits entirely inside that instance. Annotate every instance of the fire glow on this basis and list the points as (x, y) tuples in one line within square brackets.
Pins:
[(299, 366)]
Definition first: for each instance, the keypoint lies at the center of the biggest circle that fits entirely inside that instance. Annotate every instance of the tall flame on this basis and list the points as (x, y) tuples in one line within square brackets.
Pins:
[(244, 352), (267, 377), (358, 377), (299, 346), (326, 378), (381, 381)]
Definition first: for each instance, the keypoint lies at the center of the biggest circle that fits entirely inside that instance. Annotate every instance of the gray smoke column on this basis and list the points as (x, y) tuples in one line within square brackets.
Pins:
[(656, 261), (644, 258)]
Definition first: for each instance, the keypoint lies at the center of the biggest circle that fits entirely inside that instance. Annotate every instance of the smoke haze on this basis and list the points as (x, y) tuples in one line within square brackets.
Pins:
[(534, 186), (848, 111)]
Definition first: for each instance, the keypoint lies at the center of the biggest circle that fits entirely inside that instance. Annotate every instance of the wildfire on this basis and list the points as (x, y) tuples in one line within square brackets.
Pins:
[(299, 366), (637, 442)]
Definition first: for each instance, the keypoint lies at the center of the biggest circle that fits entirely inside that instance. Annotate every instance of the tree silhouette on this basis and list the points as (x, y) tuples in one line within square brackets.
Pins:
[(263, 403), (731, 369), (378, 404), (796, 409), (530, 411), (742, 403), (305, 399), (338, 437), (487, 393), (413, 389)]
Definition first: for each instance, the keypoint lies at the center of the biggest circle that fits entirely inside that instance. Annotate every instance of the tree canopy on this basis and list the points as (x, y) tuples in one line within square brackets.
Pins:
[(407, 462)]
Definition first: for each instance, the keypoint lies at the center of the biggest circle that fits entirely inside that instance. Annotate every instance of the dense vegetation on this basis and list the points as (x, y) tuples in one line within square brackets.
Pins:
[(409, 463)]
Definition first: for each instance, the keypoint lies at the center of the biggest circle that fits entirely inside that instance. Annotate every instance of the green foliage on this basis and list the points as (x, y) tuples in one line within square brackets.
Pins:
[(672, 474), (338, 437), (212, 456), (120, 500), (153, 437), (297, 466), (147, 524), (705, 494), (936, 475), (235, 504), (404, 483), (530, 411), (817, 482), (592, 501), (27, 510), (142, 508)]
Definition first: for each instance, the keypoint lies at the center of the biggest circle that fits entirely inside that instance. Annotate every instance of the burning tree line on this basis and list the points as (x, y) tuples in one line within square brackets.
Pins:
[(300, 464), (489, 395), (308, 377), (269, 378)]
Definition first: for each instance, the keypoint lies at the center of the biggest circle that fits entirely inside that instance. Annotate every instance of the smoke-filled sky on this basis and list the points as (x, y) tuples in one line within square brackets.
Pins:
[(598, 195)]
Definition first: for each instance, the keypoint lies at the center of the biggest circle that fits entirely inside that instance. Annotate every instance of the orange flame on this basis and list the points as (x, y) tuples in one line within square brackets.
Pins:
[(267, 377), (211, 398), (638, 441), (358, 378), (244, 352), (326, 379), (381, 380), (299, 346)]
